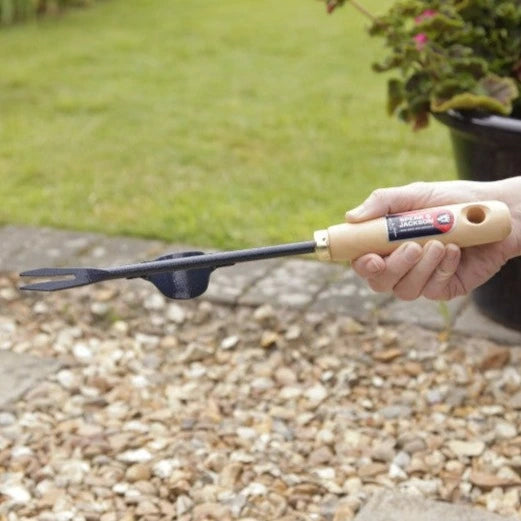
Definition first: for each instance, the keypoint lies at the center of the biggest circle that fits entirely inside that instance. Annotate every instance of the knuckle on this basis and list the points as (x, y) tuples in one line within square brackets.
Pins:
[(422, 191), (418, 186), (378, 194)]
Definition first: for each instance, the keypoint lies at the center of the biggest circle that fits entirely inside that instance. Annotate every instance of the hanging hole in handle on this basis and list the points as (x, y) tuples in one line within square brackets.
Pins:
[(476, 214)]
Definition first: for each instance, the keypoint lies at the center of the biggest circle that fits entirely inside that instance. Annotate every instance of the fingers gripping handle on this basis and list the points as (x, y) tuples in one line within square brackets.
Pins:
[(464, 224)]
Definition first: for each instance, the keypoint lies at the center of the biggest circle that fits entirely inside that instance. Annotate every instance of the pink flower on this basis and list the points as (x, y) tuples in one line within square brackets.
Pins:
[(420, 40), (428, 13)]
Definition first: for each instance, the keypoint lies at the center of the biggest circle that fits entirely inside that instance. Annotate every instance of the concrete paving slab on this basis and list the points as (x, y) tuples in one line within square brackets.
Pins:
[(392, 506), (228, 284), (294, 283), (111, 251), (11, 242), (349, 295), (25, 247), (472, 322), (20, 372), (422, 312)]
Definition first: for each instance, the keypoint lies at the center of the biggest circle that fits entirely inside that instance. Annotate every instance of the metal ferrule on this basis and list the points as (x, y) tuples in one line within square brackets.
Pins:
[(322, 245)]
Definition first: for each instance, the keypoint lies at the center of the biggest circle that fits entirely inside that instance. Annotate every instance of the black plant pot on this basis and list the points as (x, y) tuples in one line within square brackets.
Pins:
[(488, 148)]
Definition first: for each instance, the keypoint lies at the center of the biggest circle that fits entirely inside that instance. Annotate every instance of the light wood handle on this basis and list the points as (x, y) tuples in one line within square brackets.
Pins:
[(464, 224)]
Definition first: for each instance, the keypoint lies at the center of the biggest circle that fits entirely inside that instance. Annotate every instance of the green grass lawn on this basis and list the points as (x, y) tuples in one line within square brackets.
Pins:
[(224, 124)]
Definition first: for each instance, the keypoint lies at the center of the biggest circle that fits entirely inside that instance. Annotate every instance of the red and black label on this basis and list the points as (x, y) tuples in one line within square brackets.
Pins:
[(419, 223)]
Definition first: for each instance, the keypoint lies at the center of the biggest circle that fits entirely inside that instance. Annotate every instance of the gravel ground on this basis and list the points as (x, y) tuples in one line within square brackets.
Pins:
[(195, 411)]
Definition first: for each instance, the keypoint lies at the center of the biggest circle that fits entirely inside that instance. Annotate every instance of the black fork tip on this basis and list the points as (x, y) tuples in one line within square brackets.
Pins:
[(31, 273), (61, 278)]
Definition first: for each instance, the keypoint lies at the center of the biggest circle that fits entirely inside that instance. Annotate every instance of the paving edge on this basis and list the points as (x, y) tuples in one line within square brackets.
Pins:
[(386, 505), (19, 372)]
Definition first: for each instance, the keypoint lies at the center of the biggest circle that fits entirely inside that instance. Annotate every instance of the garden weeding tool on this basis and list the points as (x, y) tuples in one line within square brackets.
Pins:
[(186, 274)]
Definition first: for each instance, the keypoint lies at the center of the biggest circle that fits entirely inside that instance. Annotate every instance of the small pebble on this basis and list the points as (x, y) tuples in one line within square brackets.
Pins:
[(229, 342), (154, 302), (99, 309), (316, 394), (135, 456), (6, 419), (82, 352), (505, 430), (466, 448), (138, 472), (164, 468), (269, 339), (17, 494), (183, 504), (175, 313)]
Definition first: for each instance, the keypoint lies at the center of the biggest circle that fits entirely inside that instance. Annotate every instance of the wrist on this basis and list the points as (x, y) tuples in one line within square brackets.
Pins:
[(509, 191)]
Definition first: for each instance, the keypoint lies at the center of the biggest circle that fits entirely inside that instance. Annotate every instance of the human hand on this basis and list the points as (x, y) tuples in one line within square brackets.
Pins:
[(437, 271)]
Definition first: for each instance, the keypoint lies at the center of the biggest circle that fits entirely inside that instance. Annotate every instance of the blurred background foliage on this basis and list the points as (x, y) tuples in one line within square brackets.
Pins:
[(17, 10), (223, 124)]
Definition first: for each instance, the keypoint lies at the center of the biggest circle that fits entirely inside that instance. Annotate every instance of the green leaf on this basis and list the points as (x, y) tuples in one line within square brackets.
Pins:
[(438, 24), (419, 83), (494, 94), (503, 90), (394, 95), (392, 61), (477, 67), (461, 5)]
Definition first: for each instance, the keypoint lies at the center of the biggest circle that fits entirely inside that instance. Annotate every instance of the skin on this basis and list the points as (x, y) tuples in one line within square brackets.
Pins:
[(437, 271)]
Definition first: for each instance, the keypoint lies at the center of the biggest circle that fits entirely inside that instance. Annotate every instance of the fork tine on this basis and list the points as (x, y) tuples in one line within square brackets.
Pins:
[(53, 285), (77, 277), (49, 272)]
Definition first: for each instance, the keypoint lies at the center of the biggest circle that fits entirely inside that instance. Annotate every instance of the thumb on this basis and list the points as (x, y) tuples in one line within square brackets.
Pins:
[(384, 201)]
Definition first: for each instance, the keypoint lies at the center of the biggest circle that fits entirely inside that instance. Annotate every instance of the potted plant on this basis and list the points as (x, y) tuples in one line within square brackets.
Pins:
[(460, 61)]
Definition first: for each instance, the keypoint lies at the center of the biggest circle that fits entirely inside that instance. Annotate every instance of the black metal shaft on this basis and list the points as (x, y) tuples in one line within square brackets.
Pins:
[(210, 260)]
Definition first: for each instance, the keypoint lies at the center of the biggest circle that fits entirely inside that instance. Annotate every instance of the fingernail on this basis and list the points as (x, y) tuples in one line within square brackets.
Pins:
[(373, 266), (435, 249), (452, 252), (412, 252)]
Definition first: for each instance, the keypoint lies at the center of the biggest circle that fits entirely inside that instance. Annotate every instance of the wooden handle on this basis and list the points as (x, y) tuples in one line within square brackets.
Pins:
[(464, 224)]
